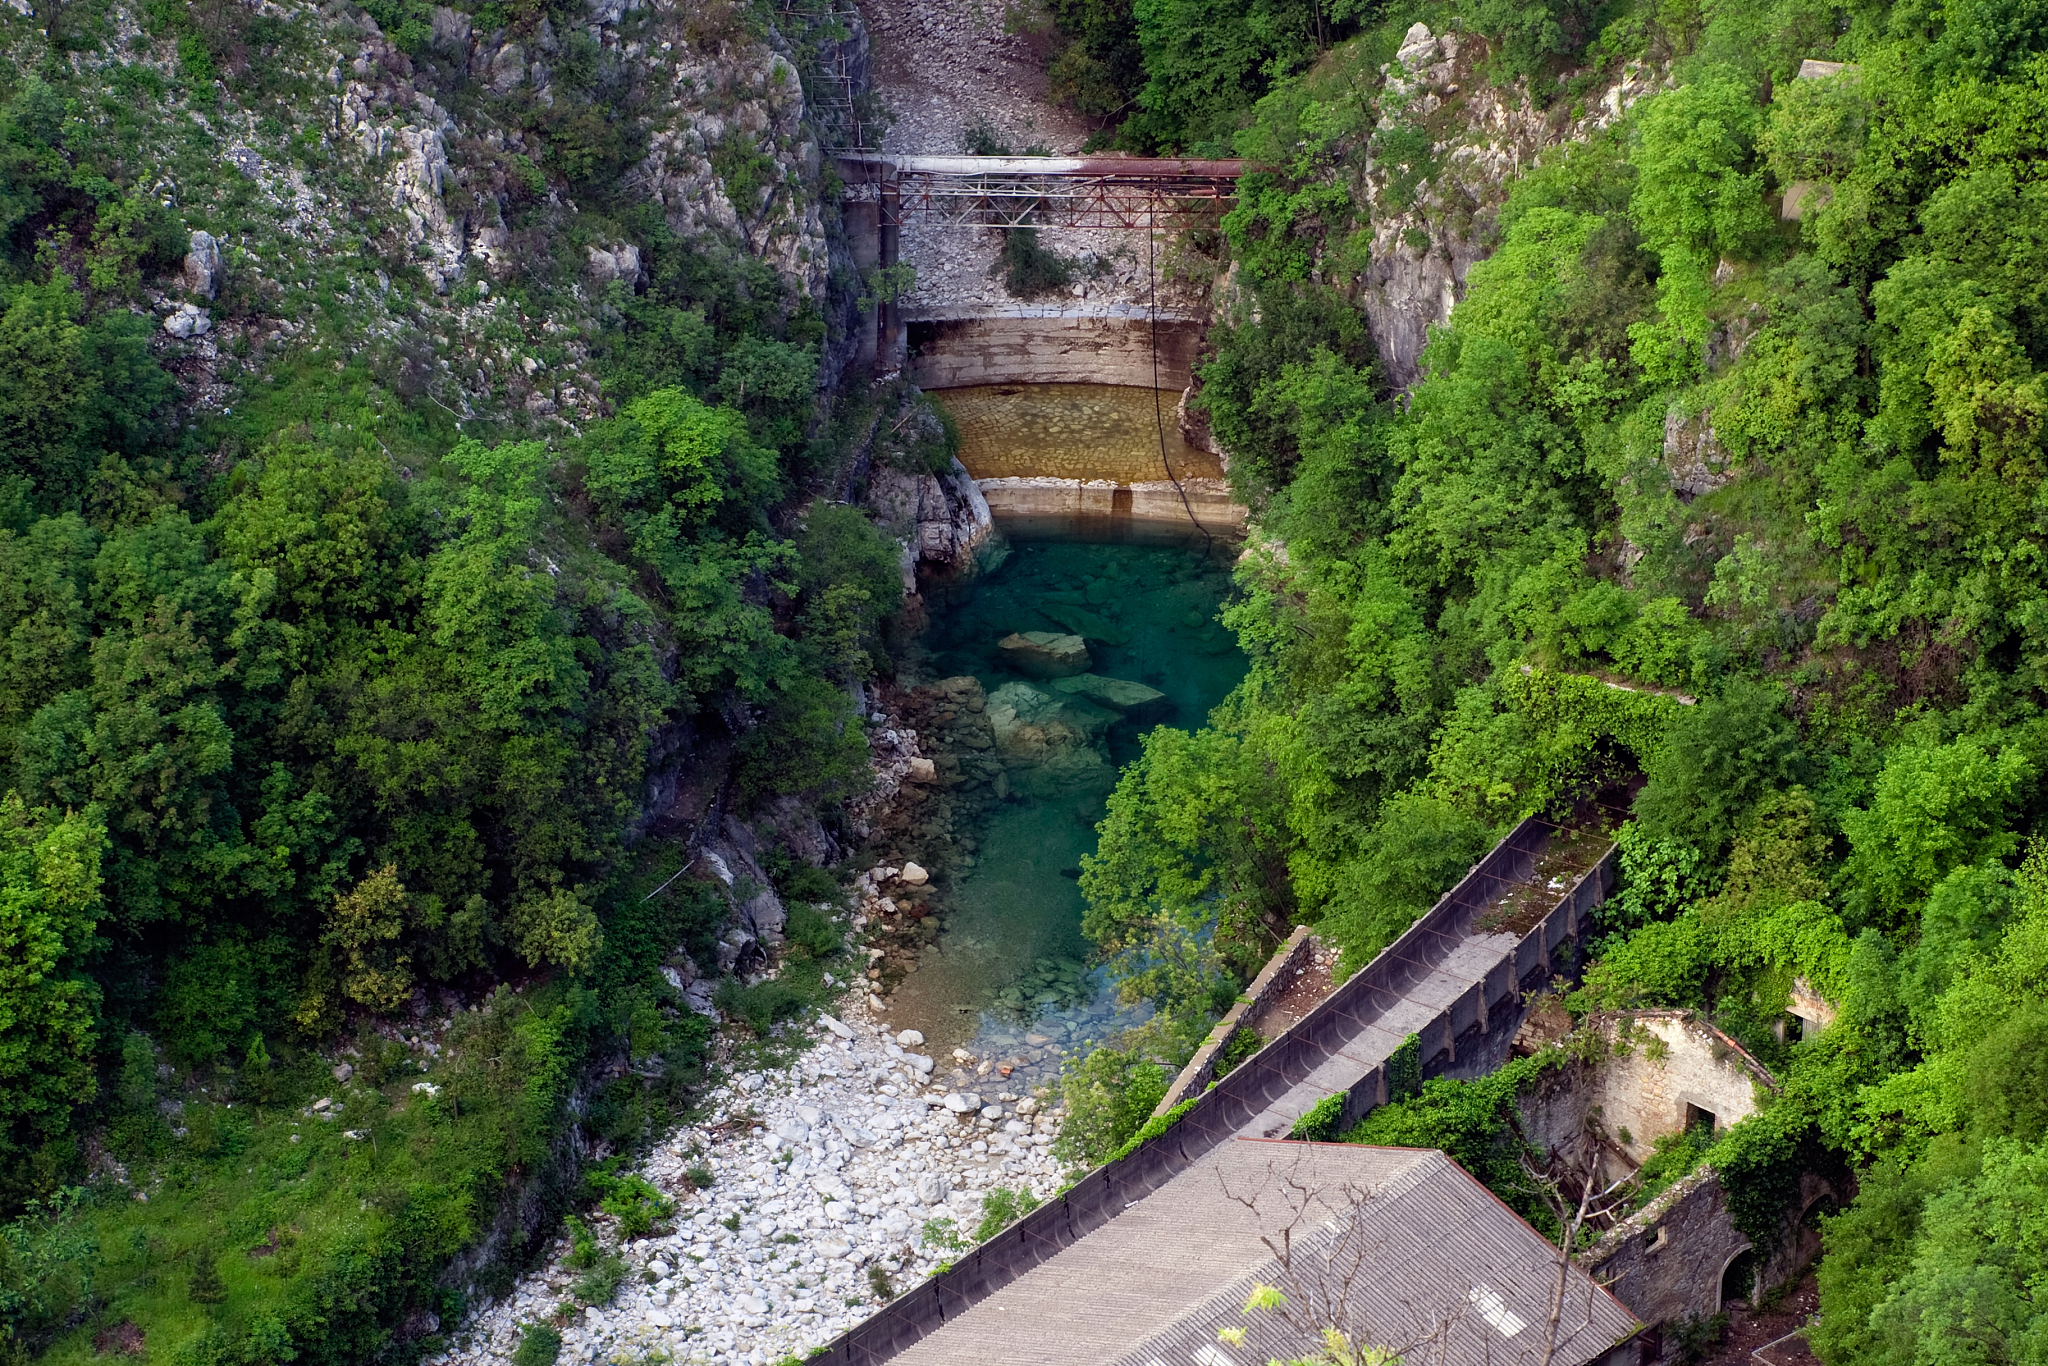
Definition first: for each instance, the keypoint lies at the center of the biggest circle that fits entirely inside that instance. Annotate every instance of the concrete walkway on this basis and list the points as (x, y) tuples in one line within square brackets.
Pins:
[(1373, 1040)]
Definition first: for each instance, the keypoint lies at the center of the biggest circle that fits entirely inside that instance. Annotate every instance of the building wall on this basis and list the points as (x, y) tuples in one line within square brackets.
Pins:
[(1669, 1262), (1672, 1061)]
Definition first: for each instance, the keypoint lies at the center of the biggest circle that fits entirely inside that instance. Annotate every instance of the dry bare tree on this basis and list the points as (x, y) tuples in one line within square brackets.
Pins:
[(1568, 1166)]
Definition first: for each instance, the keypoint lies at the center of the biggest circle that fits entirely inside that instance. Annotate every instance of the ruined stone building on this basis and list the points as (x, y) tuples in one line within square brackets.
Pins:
[(1647, 1075)]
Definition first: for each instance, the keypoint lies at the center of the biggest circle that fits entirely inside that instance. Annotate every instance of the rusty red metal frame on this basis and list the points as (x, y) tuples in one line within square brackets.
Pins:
[(1075, 192)]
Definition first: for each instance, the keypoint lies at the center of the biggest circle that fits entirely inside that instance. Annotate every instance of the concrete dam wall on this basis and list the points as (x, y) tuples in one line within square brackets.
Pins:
[(1026, 344), (1055, 452)]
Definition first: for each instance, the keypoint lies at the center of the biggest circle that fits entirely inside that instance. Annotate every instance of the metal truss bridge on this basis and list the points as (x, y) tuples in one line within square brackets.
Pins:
[(1070, 192)]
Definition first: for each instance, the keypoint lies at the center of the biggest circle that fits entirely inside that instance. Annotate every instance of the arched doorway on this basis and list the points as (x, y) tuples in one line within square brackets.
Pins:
[(1738, 1278)]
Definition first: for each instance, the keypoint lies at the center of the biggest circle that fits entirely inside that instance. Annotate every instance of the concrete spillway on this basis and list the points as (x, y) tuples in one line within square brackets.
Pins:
[(1095, 461)]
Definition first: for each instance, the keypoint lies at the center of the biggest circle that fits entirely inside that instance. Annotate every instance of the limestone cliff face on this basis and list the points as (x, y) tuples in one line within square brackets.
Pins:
[(399, 197), (1426, 238), (712, 93), (942, 519)]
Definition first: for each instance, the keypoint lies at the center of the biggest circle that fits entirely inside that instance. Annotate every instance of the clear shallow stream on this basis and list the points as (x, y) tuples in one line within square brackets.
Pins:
[(1011, 976)]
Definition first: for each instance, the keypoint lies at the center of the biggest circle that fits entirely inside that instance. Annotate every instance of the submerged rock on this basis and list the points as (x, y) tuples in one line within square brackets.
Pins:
[(1043, 654), (1134, 701), (1085, 623), (1030, 723)]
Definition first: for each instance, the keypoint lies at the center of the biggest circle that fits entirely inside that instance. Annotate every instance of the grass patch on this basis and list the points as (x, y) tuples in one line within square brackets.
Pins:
[(267, 1232)]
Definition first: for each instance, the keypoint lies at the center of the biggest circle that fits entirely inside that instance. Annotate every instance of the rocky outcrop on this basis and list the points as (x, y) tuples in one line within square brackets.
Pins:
[(942, 520), (1481, 137), (203, 270), (428, 166), (1693, 457), (1132, 701), (1049, 742), (738, 102)]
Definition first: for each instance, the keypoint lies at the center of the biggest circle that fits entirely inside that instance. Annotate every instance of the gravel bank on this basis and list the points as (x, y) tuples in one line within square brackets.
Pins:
[(825, 1173)]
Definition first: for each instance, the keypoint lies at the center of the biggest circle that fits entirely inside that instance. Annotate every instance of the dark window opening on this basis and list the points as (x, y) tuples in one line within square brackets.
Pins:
[(1698, 1120)]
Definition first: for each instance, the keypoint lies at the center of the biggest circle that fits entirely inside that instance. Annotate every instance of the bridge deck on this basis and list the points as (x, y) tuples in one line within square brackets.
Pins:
[(981, 192)]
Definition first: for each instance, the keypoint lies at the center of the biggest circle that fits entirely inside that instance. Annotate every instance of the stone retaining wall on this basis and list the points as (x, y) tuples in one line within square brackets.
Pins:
[(1271, 981), (1109, 511)]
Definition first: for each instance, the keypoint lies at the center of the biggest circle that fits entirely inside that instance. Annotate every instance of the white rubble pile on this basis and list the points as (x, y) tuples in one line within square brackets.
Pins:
[(821, 1172)]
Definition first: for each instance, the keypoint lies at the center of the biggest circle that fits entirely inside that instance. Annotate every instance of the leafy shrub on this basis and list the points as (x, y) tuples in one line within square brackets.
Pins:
[(47, 1264), (980, 139), (1935, 808), (1673, 1157), (2007, 1076), (1719, 759), (632, 1200), (760, 1006), (1152, 1128), (1416, 852), (1475, 1122), (583, 1244), (1242, 1045), (813, 932), (1109, 1097), (809, 742), (1320, 1122), (1207, 62), (944, 1234), (600, 1283), (539, 1345), (1658, 876), (1247, 387), (1028, 269), (1002, 1207)]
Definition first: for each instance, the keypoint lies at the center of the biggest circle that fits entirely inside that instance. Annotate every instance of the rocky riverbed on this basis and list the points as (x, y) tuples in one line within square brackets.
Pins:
[(826, 1177)]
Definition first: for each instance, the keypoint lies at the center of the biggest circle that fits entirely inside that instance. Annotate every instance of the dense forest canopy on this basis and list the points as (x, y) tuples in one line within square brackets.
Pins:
[(318, 697)]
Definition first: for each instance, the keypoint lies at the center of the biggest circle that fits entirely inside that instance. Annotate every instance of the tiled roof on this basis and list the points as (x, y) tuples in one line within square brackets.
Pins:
[(1398, 1245)]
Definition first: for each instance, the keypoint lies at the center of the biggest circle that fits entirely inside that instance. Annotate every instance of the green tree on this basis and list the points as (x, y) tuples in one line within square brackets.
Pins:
[(49, 909), (1981, 1254), (1207, 63), (45, 389), (1720, 758), (1934, 809), (1699, 198)]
